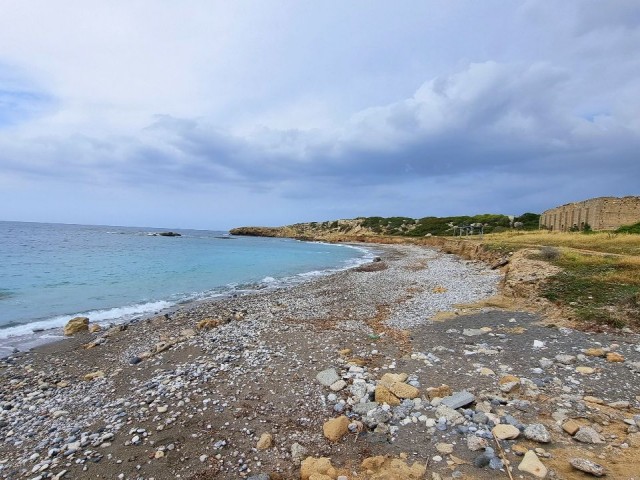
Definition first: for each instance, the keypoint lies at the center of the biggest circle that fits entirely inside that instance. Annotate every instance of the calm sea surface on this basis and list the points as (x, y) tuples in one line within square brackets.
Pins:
[(50, 273)]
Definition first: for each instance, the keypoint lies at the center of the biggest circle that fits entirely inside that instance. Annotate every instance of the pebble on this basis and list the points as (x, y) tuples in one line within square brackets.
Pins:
[(587, 466)]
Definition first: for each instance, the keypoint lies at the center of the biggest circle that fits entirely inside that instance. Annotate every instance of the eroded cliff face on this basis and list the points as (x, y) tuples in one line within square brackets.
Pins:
[(328, 231)]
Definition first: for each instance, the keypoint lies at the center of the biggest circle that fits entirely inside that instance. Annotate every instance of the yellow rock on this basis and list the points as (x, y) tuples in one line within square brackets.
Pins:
[(384, 395), (614, 357), (505, 432), (317, 469), (389, 379), (345, 351), (585, 370), (532, 464), (336, 428), (595, 352), (439, 392), (571, 427), (404, 390), (439, 289), (94, 375), (591, 399), (94, 328), (385, 468), (265, 442), (519, 450), (509, 383), (75, 325), (208, 323), (487, 372)]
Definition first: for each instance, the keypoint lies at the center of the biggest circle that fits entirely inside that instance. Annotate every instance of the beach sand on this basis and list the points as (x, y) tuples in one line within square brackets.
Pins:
[(171, 400)]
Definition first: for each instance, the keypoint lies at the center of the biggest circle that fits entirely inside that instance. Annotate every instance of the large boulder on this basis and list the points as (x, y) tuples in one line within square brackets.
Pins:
[(75, 325)]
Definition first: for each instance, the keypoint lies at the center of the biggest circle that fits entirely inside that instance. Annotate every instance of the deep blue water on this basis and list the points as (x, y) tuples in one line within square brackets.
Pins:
[(50, 273)]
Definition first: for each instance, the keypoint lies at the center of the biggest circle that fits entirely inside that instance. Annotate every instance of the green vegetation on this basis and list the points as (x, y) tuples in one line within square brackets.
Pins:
[(634, 229), (600, 289)]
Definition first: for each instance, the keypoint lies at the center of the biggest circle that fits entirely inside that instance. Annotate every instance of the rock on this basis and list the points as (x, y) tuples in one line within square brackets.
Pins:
[(158, 454), (389, 379), (519, 450), (587, 466), (587, 435), (162, 408), (188, 333), (75, 325), (318, 468), (452, 416), (633, 439), (208, 323), (337, 386), (385, 468), (358, 389), (565, 359), (336, 428), (363, 408), (260, 476), (94, 375), (537, 432), (473, 332), (482, 460), (94, 328), (505, 432), (404, 390), (475, 443), (591, 399), (486, 372), (439, 392), (298, 452), (508, 383), (328, 377), (384, 395), (458, 399), (595, 352), (614, 357), (265, 441), (444, 448), (571, 427), (532, 464), (585, 370)]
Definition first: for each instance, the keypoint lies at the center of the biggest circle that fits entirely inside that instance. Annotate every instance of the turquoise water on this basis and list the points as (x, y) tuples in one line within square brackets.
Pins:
[(50, 273)]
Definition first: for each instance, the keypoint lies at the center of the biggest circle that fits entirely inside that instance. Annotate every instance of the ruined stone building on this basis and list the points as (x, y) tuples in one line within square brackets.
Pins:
[(602, 213)]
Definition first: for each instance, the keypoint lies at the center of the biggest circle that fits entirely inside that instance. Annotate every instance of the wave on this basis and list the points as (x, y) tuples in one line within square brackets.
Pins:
[(118, 314)]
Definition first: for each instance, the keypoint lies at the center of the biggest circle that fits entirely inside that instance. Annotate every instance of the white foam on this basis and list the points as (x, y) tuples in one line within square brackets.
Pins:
[(120, 313)]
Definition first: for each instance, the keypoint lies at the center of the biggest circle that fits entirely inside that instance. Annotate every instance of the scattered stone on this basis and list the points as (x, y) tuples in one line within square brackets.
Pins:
[(389, 379), (382, 467), (319, 468), (532, 464), (337, 386), (444, 448), (565, 359), (265, 441), (94, 328), (595, 352), (439, 392), (486, 372), (298, 452), (94, 375), (537, 432), (450, 415), (475, 443), (404, 390), (208, 323), (585, 370), (508, 383), (384, 395), (328, 377), (472, 332), (571, 427), (614, 357), (590, 399), (458, 399), (76, 325), (587, 466), (587, 435), (505, 432), (336, 428)]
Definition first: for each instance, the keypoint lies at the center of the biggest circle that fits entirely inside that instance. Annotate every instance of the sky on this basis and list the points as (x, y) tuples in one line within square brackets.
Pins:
[(214, 114)]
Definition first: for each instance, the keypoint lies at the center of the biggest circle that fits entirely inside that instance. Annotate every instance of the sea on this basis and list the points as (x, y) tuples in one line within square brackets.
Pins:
[(50, 273)]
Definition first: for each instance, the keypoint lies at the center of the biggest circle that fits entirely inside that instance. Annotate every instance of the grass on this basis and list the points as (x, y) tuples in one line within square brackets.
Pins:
[(600, 278), (604, 242)]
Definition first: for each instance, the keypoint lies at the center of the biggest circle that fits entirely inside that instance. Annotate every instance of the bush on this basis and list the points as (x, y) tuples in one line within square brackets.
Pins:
[(635, 228), (549, 253)]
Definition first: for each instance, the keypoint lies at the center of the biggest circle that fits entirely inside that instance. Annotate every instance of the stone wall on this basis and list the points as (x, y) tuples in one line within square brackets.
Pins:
[(602, 213)]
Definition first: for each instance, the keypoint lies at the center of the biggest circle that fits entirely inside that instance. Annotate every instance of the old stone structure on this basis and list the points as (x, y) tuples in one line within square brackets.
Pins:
[(602, 213)]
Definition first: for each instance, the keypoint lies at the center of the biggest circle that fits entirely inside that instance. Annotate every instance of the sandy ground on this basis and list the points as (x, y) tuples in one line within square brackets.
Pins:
[(171, 400)]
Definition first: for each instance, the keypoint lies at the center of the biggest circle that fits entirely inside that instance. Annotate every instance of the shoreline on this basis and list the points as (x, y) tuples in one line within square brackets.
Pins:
[(163, 398), (13, 344)]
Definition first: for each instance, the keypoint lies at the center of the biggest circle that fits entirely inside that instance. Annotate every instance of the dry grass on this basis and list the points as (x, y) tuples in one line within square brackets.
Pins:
[(604, 242)]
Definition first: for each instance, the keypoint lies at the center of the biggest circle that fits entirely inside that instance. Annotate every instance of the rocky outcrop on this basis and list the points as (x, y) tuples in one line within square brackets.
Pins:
[(75, 325)]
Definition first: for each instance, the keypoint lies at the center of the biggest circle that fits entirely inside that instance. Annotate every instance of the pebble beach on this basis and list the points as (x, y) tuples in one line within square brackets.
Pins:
[(345, 376)]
